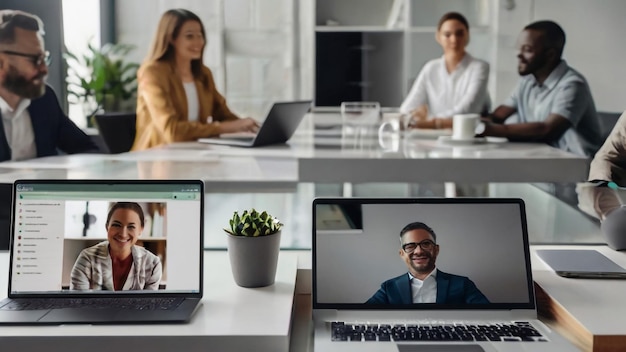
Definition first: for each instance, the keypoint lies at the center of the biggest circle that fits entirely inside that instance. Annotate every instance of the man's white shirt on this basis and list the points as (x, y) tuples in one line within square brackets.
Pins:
[(18, 130), (424, 291)]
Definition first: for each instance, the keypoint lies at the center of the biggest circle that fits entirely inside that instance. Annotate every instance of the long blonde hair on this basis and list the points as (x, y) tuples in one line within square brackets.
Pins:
[(167, 31)]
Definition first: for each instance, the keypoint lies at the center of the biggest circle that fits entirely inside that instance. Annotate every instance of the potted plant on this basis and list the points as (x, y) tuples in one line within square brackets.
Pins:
[(102, 80), (253, 247)]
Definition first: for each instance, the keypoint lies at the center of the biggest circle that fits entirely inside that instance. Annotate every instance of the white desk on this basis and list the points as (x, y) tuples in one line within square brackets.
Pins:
[(231, 318), (591, 312)]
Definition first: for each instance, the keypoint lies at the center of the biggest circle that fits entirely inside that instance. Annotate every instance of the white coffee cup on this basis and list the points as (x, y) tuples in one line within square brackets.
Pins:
[(464, 126)]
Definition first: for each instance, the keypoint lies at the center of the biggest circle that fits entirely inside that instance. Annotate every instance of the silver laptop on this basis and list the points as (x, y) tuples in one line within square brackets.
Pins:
[(581, 263), (464, 261), (279, 125), (104, 252)]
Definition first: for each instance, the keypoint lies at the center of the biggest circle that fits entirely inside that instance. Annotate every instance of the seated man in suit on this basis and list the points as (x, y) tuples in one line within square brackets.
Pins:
[(33, 124), (553, 101), (424, 283)]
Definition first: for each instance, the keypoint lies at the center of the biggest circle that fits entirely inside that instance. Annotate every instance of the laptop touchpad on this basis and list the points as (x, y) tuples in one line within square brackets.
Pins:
[(80, 315), (439, 348)]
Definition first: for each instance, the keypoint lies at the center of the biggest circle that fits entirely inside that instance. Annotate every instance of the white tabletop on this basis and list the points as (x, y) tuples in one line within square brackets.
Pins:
[(231, 318), (361, 154), (591, 311), (319, 155)]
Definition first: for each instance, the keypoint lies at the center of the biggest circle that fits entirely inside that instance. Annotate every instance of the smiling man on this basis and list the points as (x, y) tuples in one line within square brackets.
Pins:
[(424, 283), (552, 100), (33, 124)]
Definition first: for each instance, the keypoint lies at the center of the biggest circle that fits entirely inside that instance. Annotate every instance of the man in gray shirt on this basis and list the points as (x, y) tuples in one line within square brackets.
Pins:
[(553, 101)]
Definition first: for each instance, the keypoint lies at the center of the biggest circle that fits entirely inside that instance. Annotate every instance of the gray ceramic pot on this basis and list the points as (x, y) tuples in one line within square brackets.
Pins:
[(253, 260)]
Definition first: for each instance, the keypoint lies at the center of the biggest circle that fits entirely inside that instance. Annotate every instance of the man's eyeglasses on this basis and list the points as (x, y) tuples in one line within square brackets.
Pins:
[(426, 245), (35, 59)]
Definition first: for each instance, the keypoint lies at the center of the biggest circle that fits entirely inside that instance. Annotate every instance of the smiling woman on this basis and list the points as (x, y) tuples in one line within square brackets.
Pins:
[(119, 263), (177, 99)]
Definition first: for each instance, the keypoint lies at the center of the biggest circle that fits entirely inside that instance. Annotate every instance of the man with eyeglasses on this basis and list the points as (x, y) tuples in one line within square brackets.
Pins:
[(33, 124), (424, 283)]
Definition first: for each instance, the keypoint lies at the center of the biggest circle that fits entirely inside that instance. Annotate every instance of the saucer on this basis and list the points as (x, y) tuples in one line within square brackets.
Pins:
[(469, 141)]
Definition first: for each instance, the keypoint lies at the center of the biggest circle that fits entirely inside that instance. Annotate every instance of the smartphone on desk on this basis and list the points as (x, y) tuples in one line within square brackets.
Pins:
[(581, 264)]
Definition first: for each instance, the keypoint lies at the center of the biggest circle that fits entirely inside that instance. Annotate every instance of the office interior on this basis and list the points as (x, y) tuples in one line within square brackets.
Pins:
[(263, 51)]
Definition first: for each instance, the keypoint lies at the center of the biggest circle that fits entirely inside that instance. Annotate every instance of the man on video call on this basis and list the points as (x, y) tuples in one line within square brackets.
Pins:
[(424, 283)]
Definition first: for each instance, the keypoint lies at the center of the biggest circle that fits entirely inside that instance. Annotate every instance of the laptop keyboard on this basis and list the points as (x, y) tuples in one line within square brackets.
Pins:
[(143, 303), (514, 331)]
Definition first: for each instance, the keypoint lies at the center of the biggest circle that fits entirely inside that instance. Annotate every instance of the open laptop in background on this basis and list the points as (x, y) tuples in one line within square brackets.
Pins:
[(484, 297), (279, 125), (54, 220)]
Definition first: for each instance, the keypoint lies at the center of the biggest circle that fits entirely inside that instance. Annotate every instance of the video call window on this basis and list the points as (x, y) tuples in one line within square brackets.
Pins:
[(68, 240), (480, 245)]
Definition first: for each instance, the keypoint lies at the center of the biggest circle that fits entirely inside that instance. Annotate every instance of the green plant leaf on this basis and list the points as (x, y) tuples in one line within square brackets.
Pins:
[(106, 76)]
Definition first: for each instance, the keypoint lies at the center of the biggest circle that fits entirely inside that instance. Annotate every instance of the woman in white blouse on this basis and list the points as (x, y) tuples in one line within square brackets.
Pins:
[(455, 83)]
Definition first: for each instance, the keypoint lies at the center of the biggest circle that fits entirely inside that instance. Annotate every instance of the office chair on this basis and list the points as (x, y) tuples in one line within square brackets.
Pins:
[(117, 131), (607, 122), (6, 198)]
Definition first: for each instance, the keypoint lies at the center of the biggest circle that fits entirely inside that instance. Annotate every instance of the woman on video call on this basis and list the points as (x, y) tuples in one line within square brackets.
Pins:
[(455, 83), (176, 96), (118, 264)]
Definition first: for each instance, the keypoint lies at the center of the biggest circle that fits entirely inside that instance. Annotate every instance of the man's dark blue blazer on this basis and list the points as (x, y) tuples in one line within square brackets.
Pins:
[(53, 130), (451, 289)]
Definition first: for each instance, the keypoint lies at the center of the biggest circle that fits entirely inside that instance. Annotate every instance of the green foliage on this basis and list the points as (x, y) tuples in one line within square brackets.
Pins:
[(253, 224), (102, 76)]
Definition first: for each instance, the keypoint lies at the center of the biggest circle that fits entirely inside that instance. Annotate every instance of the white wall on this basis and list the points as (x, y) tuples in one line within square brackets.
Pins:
[(594, 44)]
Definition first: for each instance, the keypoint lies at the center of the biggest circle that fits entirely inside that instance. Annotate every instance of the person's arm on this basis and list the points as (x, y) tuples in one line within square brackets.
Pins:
[(69, 138), (221, 112), (506, 109), (567, 108), (81, 273), (475, 95), (153, 280), (609, 162), (473, 294), (550, 130), (417, 95), (380, 297), (153, 88), (501, 114)]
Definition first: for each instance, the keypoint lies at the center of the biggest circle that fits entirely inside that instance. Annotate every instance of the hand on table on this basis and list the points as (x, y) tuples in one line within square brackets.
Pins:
[(418, 117)]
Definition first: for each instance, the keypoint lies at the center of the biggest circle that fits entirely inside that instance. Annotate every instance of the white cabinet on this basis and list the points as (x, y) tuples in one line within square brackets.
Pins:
[(372, 50)]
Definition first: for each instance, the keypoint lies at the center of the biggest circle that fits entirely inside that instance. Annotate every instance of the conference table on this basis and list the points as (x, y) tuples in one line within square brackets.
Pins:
[(322, 153), (318, 154)]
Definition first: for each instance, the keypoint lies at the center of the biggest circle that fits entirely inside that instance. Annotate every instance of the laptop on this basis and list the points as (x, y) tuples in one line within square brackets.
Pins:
[(65, 232), (581, 264), (279, 125), (480, 299)]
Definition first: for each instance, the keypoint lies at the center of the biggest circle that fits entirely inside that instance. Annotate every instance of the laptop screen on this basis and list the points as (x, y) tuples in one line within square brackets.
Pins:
[(90, 237), (454, 253)]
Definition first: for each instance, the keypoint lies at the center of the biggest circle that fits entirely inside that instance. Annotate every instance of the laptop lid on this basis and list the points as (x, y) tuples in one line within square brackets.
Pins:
[(58, 226), (481, 250), (280, 124)]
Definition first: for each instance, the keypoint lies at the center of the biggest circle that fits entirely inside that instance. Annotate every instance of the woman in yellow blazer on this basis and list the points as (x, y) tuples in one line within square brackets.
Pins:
[(176, 96)]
